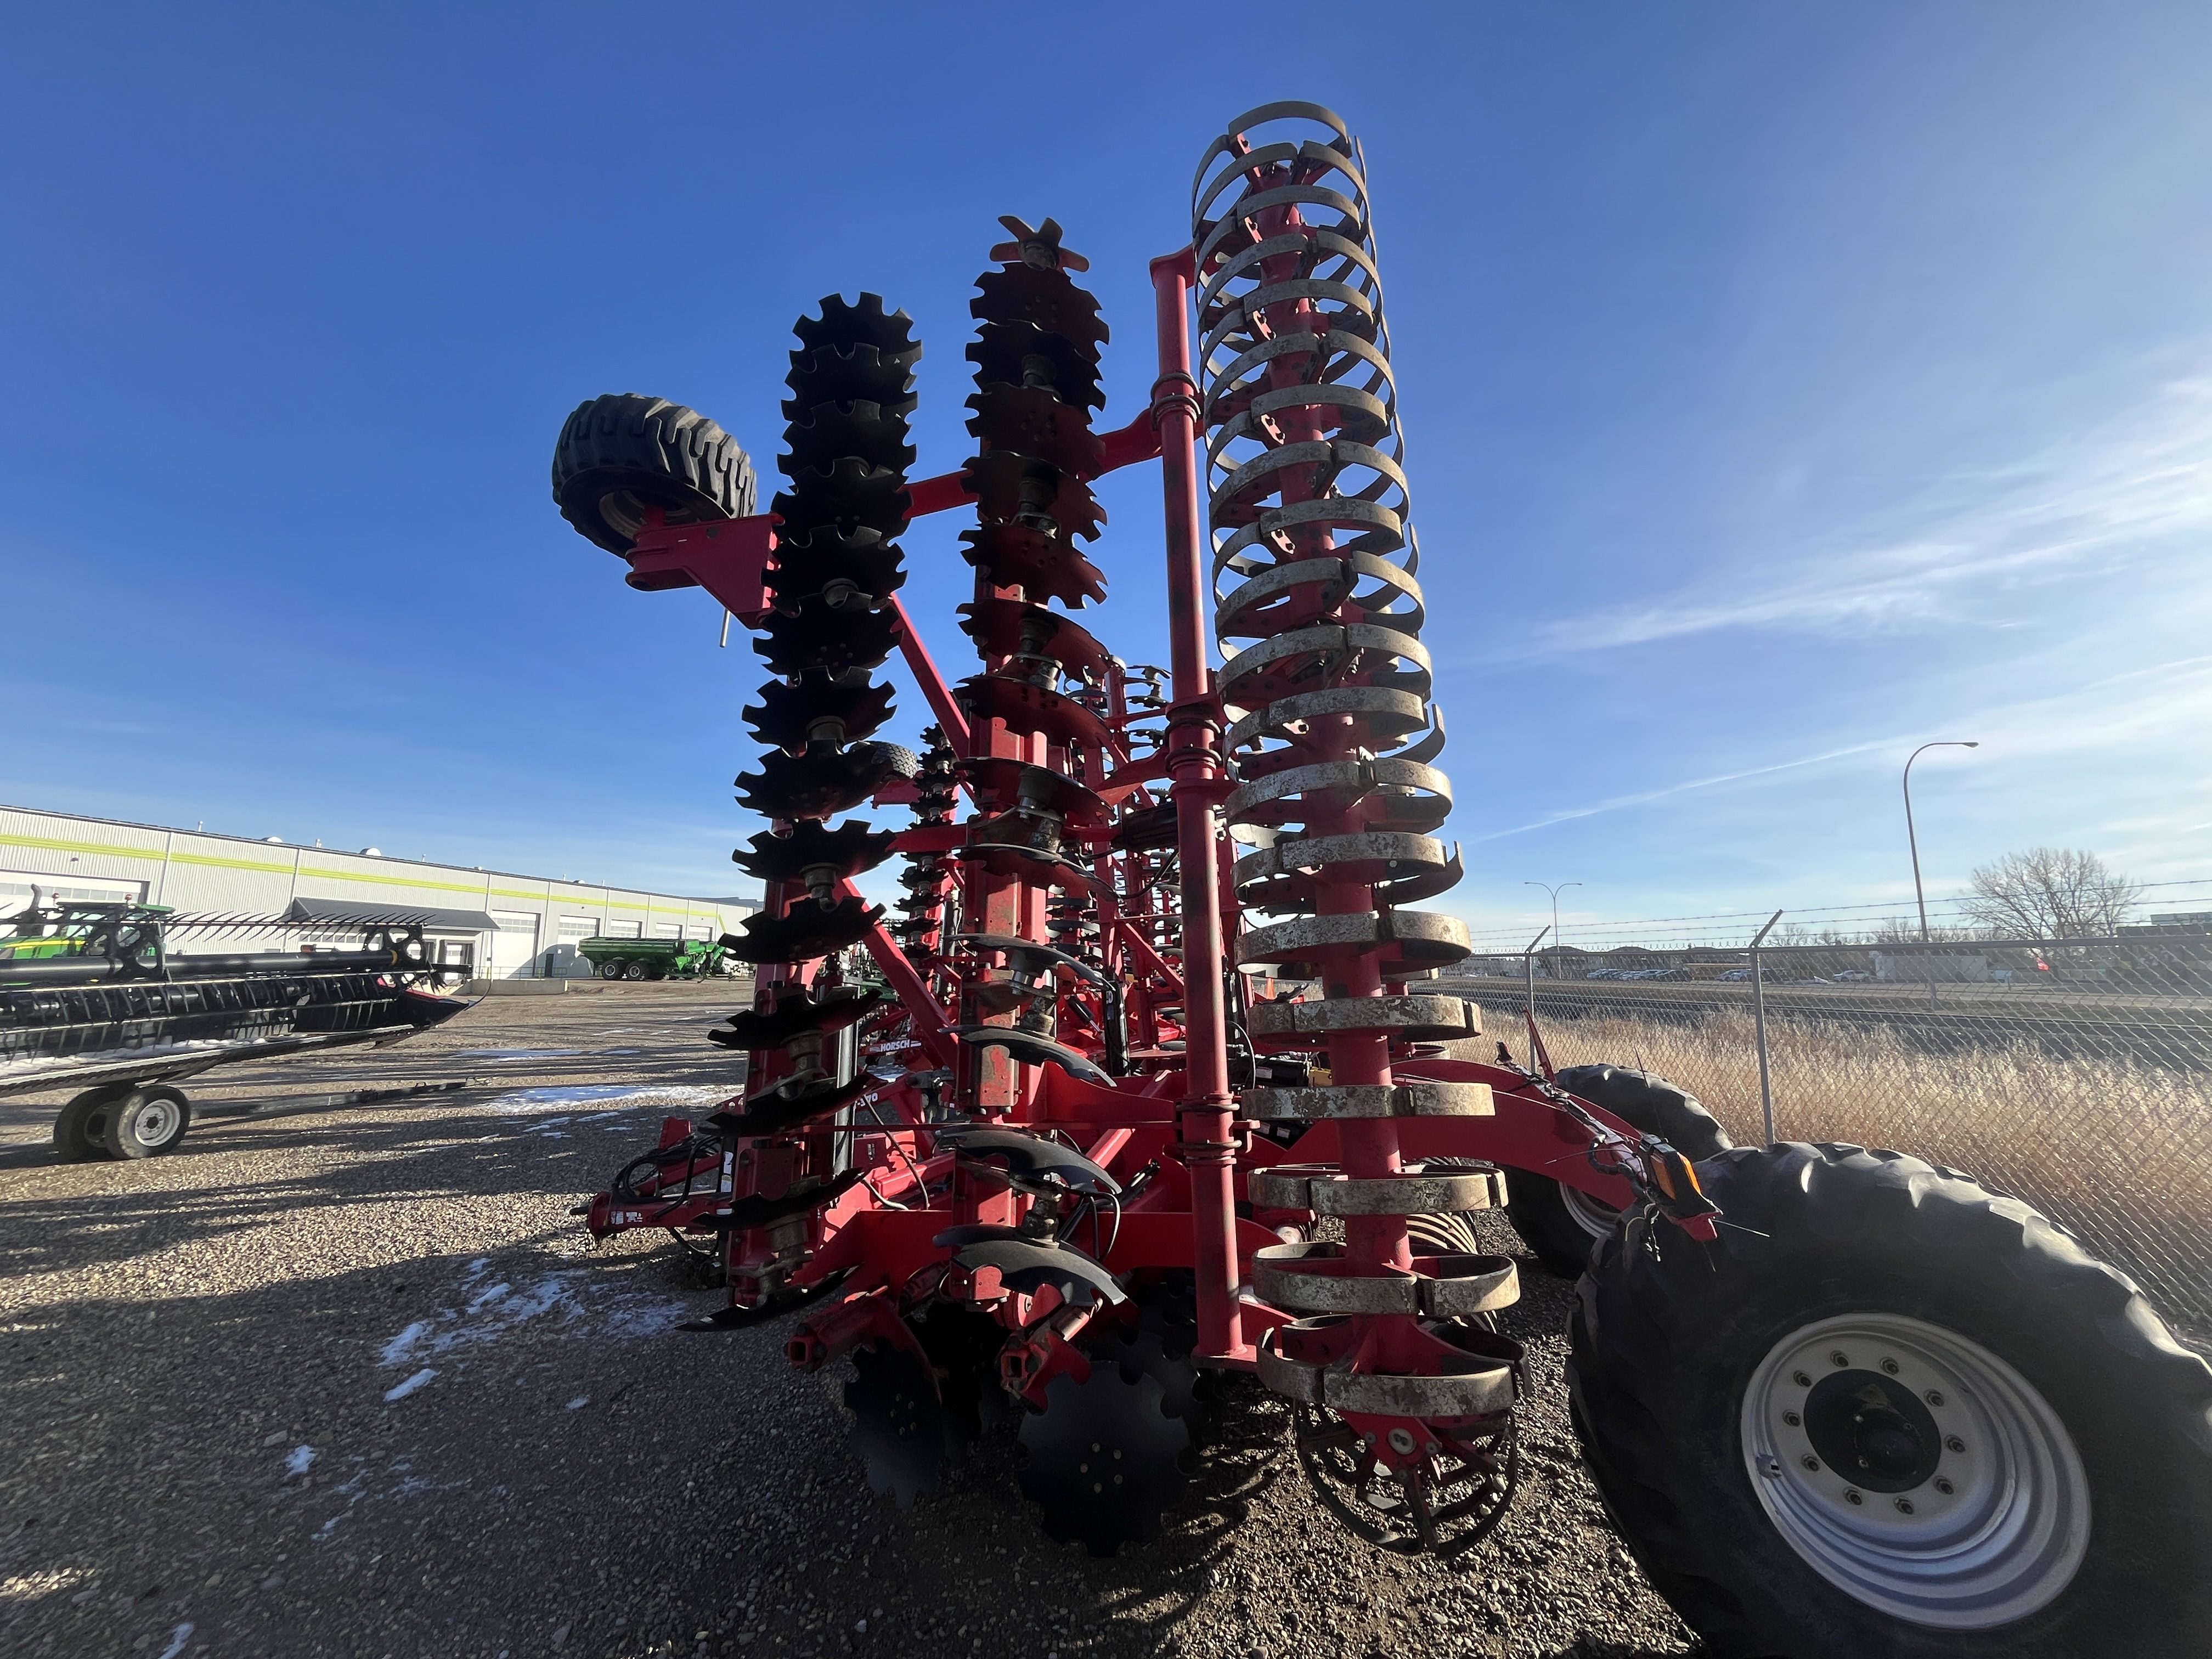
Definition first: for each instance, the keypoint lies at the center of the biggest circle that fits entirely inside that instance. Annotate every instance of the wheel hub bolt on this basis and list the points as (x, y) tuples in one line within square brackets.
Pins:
[(1955, 1443), (1401, 1443), (1890, 1365), (1801, 1379), (1853, 1498), (1839, 1359), (1810, 1461), (1905, 1505), (1933, 1396), (1792, 1418), (1945, 1487)]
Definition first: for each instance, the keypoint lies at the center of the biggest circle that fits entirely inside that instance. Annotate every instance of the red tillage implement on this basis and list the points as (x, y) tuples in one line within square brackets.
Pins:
[(1084, 1150)]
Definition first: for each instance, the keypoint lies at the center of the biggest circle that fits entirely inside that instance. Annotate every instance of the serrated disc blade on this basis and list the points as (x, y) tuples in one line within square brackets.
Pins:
[(898, 1428), (1049, 299), (785, 711), (1033, 422), (823, 435), (830, 640), (1021, 354), (1043, 567), (849, 494), (859, 373), (1105, 1459), (807, 933), (844, 325)]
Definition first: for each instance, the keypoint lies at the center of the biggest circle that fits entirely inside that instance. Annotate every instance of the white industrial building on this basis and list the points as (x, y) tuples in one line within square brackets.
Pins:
[(510, 926)]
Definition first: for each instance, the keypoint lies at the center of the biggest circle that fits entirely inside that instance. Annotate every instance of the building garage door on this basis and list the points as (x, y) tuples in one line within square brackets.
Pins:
[(514, 946), (562, 962)]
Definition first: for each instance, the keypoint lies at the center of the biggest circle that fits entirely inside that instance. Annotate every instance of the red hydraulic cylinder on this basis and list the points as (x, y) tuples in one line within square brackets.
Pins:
[(1206, 1117)]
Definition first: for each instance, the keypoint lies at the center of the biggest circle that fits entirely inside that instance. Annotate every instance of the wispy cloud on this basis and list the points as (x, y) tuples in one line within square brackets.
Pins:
[(2137, 489), (1644, 797), (2139, 707)]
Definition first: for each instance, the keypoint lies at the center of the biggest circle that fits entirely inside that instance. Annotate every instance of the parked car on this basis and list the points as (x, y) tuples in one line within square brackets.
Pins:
[(1735, 975)]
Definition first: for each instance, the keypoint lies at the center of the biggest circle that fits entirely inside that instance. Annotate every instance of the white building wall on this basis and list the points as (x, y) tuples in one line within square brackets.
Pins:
[(191, 871)]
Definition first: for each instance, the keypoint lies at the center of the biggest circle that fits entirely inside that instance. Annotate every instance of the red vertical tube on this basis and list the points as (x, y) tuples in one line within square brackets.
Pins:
[(1206, 1117)]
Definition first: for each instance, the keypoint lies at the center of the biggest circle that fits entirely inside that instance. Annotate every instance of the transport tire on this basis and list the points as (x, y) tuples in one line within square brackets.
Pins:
[(146, 1122), (900, 759), (81, 1127), (610, 969), (1890, 1412), (1561, 1223), (635, 970), (622, 454)]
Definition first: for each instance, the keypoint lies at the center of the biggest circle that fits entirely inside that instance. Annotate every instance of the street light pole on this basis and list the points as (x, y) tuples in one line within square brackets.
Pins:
[(1913, 841), (1554, 892)]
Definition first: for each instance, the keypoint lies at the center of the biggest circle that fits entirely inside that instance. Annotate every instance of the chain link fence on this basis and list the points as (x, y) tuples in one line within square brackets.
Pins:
[(2075, 1073)]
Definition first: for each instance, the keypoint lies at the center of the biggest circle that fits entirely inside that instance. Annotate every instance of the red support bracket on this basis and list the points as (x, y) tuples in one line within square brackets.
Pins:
[(930, 1029), (1126, 445), (934, 691), (728, 558)]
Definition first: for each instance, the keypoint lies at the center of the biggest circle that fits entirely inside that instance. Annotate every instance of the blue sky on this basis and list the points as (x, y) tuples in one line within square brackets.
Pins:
[(1784, 385)]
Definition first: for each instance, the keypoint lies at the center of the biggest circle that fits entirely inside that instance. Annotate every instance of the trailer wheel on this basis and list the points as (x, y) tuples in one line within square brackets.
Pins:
[(610, 969), (1561, 1223), (622, 455), (146, 1121), (81, 1127), (1888, 1411), (635, 970)]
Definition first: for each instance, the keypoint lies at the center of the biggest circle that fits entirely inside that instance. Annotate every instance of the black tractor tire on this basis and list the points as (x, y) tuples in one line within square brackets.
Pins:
[(622, 454), (2051, 1500), (611, 969), (146, 1122), (902, 760), (1560, 1225), (636, 970), (81, 1127)]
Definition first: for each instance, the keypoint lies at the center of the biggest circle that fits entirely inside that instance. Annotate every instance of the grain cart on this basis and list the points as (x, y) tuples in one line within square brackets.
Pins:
[(110, 1000), (1155, 1088), (651, 958)]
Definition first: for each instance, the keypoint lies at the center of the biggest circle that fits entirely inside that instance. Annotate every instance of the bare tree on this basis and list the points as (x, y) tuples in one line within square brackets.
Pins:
[(2051, 892)]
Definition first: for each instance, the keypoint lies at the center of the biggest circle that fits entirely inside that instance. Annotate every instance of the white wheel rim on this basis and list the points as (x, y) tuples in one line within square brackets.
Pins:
[(1593, 1215), (2003, 1540), (156, 1123)]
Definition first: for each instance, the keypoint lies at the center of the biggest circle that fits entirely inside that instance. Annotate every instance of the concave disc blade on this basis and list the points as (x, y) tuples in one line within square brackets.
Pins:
[(898, 1427), (1105, 1459)]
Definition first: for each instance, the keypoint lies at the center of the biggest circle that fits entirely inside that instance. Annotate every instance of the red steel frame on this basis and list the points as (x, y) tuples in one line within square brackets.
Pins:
[(1188, 1223)]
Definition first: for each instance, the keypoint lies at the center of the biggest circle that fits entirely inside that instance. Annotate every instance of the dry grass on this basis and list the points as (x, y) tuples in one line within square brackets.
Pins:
[(2118, 1152)]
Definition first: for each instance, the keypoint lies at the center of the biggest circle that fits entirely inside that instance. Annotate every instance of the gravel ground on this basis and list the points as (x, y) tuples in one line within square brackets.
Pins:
[(357, 1383)]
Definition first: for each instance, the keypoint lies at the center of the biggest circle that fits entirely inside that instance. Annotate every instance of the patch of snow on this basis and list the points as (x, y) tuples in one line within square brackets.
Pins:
[(579, 1402), (181, 1635), (400, 1391), (558, 1098), (514, 1054), (567, 1301), (302, 1460), (646, 1318)]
